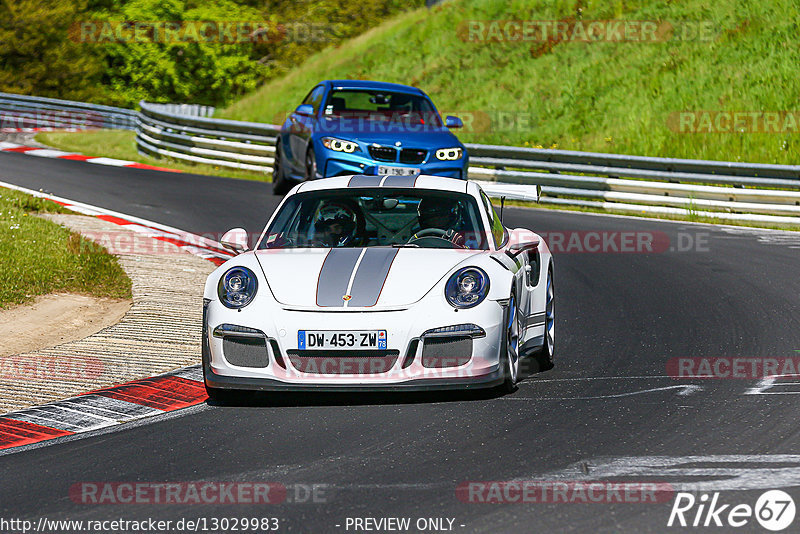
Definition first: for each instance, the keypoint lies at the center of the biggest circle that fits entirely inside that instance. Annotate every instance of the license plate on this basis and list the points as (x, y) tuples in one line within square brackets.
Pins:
[(397, 171), (341, 339)]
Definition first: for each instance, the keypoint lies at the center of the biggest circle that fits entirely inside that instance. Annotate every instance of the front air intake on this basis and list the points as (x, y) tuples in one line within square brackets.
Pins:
[(332, 362), (450, 351), (245, 351)]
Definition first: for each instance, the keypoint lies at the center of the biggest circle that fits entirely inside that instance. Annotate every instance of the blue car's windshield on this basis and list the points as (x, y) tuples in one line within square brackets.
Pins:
[(377, 217), (381, 105)]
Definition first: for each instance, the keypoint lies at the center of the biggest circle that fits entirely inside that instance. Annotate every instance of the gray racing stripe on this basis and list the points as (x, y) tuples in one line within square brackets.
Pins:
[(361, 180), (335, 275), (371, 275), (401, 181)]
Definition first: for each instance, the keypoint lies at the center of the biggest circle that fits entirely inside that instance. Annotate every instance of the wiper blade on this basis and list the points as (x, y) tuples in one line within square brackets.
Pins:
[(405, 245)]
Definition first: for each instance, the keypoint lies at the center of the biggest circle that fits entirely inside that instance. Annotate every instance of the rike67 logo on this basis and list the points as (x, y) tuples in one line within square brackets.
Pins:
[(774, 510)]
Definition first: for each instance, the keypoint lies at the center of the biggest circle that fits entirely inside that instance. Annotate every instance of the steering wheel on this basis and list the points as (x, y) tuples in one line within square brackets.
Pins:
[(430, 232)]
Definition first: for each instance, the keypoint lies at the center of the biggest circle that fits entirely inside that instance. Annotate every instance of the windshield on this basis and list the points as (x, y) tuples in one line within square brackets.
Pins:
[(377, 218), (382, 105)]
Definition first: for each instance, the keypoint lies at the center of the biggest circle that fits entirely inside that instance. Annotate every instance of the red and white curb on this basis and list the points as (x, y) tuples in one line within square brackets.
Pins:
[(103, 408), (198, 245), (5, 146)]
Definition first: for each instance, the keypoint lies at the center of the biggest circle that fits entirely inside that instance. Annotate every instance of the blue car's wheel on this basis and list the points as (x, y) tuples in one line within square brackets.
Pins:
[(311, 165)]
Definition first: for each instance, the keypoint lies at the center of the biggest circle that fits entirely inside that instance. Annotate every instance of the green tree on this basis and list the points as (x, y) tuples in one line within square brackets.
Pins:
[(37, 55), (183, 68)]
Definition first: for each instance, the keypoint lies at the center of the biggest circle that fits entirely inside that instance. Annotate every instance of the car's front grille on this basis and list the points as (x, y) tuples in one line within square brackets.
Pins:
[(245, 351), (450, 351), (332, 362), (383, 153), (412, 155)]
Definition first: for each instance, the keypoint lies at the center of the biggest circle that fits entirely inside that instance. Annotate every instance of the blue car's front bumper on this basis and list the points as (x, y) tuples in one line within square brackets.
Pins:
[(332, 163)]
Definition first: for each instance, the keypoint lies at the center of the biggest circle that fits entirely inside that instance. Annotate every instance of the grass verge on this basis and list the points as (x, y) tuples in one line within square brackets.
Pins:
[(41, 257), (624, 96), (121, 144)]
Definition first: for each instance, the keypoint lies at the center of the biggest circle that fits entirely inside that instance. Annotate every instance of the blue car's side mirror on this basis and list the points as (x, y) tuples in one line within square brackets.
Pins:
[(453, 122), (305, 109)]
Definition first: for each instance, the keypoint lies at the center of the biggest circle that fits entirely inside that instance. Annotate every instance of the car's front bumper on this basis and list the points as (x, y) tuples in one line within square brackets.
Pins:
[(334, 371), (489, 380)]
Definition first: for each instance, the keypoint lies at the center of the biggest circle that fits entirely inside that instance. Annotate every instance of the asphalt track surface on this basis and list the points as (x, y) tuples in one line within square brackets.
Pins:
[(620, 318)]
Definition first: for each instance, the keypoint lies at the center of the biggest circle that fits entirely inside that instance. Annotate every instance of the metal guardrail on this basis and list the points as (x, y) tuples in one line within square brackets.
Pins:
[(733, 191), (22, 111), (234, 144), (724, 190)]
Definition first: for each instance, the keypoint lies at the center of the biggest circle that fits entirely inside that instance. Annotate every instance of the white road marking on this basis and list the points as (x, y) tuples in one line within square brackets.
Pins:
[(110, 161), (769, 382), (47, 153)]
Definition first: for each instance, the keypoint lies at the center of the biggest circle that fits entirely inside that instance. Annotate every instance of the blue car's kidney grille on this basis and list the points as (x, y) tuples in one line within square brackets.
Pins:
[(412, 155), (383, 153)]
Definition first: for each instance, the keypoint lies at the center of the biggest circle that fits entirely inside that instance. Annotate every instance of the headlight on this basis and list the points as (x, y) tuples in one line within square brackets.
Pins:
[(449, 154), (237, 287), (467, 287), (340, 145)]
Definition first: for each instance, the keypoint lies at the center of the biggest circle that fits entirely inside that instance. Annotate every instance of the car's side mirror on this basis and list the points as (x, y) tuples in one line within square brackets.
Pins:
[(453, 122), (305, 109), (235, 240), (521, 240)]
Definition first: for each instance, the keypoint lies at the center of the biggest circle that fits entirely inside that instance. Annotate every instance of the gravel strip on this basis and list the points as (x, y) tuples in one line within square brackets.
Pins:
[(161, 332)]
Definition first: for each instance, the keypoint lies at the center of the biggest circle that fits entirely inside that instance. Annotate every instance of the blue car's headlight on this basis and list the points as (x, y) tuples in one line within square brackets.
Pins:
[(340, 145), (237, 287), (467, 287), (449, 154)]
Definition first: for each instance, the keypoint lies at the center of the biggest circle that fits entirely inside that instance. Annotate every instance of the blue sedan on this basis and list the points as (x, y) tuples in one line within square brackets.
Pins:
[(346, 127)]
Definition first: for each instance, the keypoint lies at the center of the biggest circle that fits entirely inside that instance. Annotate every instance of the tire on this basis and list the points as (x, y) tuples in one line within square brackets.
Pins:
[(311, 165), (280, 185), (544, 356), (510, 346)]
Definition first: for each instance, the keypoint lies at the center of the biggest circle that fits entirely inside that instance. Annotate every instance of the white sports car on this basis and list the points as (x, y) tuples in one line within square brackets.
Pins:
[(379, 282)]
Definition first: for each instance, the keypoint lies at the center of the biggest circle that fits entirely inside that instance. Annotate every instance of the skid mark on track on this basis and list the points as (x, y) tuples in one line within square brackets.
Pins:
[(717, 472), (683, 390)]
